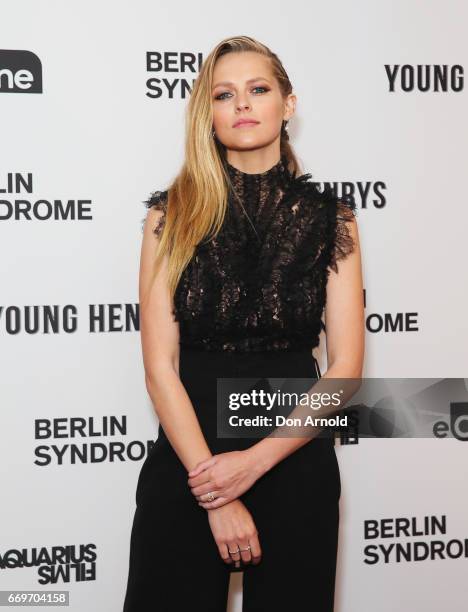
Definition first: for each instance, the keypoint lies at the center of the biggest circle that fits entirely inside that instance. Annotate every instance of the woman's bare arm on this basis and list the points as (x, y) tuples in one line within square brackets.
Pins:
[(160, 346), (232, 525)]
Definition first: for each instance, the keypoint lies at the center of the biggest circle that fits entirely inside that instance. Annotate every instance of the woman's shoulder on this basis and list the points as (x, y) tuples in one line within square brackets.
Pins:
[(157, 199), (332, 214), (324, 198), (156, 203)]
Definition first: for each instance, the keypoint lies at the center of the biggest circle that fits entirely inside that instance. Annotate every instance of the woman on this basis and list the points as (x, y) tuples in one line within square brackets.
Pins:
[(239, 259)]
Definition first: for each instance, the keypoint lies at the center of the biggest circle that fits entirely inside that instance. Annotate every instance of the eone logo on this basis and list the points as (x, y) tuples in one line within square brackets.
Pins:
[(458, 422), (20, 72)]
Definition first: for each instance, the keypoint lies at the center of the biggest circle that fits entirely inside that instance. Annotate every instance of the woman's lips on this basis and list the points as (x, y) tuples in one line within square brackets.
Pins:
[(246, 124)]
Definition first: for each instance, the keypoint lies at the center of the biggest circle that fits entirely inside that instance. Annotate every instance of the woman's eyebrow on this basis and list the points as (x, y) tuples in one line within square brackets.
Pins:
[(228, 83)]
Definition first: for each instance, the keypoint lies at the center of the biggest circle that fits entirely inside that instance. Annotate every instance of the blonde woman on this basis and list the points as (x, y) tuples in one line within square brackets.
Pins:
[(241, 256)]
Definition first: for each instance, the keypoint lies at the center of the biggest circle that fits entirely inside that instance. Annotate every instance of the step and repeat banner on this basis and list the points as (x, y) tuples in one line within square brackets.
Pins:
[(92, 103)]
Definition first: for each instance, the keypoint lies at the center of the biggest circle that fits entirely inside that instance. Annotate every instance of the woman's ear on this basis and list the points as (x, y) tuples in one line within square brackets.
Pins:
[(290, 107)]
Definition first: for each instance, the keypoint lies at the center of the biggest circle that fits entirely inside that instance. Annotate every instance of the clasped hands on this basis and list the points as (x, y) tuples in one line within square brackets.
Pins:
[(226, 476)]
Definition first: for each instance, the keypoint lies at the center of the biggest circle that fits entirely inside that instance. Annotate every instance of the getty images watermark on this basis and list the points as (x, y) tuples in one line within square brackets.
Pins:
[(372, 407), (264, 400)]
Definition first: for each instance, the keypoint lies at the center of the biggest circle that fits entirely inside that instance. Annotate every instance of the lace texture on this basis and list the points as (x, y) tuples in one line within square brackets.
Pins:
[(260, 285), (157, 200)]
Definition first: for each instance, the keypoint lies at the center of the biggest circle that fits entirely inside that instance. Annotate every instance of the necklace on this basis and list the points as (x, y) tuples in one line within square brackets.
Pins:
[(264, 177), (246, 214)]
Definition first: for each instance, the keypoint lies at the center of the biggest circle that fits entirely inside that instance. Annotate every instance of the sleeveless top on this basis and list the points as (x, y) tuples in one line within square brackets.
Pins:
[(260, 285)]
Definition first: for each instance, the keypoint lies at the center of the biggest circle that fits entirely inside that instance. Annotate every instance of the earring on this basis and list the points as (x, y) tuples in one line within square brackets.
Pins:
[(286, 126), (213, 133)]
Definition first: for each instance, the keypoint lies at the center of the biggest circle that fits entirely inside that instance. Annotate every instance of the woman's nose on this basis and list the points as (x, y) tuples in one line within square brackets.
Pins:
[(242, 106)]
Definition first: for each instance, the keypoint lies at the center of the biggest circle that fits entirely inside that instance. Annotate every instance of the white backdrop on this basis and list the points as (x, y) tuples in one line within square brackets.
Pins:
[(97, 134)]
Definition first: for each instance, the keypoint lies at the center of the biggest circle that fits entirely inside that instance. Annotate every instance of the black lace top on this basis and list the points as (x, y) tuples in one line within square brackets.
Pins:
[(260, 285)]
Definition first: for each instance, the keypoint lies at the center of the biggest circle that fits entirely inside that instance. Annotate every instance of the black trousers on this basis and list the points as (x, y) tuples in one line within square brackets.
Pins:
[(174, 562)]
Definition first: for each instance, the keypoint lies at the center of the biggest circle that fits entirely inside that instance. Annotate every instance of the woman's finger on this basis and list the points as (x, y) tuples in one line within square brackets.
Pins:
[(223, 551), (217, 503), (204, 489), (245, 551), (202, 466), (234, 553), (199, 481), (206, 498), (255, 550)]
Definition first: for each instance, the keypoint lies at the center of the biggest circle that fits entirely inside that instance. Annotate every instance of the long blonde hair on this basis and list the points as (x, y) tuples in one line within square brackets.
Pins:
[(197, 197)]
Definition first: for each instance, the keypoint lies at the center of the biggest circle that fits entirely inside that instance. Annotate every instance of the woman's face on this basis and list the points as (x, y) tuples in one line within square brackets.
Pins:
[(245, 88)]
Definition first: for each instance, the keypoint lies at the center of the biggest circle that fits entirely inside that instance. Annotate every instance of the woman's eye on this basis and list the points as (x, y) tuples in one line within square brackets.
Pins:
[(220, 96)]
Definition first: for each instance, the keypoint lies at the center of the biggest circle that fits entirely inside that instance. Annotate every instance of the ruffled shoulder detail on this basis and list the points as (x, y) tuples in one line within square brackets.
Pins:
[(338, 212), (341, 210), (158, 200), (343, 241)]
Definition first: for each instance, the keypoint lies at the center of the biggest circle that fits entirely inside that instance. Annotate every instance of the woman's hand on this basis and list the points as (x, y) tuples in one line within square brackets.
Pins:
[(233, 528), (226, 476)]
